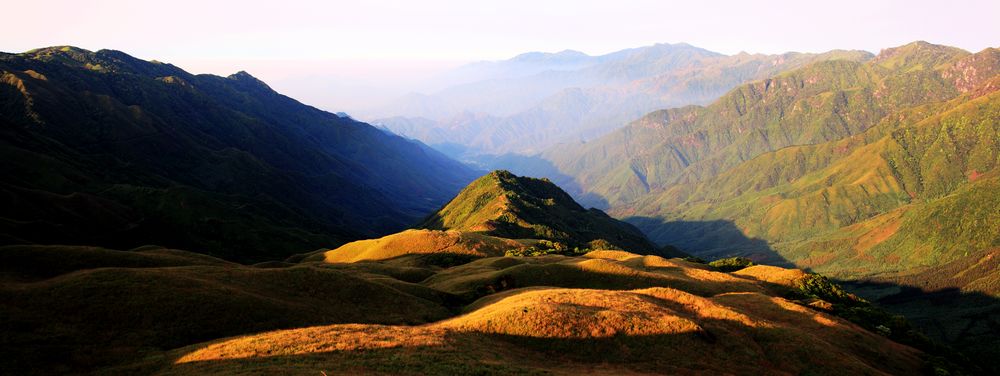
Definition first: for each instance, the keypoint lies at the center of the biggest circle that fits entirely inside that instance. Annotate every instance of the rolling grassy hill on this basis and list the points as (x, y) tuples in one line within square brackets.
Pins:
[(102, 148), (693, 320), (76, 309)]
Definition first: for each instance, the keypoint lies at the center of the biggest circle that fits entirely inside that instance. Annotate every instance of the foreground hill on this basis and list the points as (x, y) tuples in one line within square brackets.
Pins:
[(103, 148), (682, 319), (492, 286), (609, 312), (69, 309)]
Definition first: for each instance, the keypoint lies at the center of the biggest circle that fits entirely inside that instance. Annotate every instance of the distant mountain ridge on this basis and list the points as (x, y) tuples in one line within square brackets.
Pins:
[(552, 103), (218, 164), (776, 132)]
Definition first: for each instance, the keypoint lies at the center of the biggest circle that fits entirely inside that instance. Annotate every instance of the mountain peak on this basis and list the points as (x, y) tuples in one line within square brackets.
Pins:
[(57, 50), (243, 75), (918, 55), (564, 55), (68, 55), (506, 205), (249, 81)]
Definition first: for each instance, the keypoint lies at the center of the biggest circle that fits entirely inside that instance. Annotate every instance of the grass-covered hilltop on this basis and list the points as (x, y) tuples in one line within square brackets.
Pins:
[(505, 205)]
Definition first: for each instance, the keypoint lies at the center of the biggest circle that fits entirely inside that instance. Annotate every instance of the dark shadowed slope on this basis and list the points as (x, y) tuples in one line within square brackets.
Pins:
[(103, 148)]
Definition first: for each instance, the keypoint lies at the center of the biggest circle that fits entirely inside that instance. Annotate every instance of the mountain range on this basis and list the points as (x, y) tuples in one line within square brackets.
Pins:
[(883, 170), (536, 100)]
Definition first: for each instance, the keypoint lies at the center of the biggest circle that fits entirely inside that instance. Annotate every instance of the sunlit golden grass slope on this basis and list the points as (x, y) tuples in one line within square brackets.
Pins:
[(571, 331), (151, 311), (420, 242)]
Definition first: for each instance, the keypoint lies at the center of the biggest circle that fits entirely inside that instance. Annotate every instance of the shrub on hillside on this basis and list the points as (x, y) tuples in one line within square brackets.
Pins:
[(731, 264), (818, 286), (546, 247)]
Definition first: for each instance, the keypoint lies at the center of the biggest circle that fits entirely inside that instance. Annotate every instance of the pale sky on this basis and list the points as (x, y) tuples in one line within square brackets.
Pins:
[(341, 55)]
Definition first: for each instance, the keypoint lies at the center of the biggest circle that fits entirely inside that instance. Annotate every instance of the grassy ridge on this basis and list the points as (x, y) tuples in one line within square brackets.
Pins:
[(504, 205)]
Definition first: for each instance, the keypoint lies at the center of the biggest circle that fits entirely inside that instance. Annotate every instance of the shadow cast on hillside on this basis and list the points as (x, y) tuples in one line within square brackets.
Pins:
[(967, 321), (709, 239)]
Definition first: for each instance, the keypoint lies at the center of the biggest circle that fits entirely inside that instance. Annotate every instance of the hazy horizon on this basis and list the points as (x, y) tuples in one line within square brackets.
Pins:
[(345, 56)]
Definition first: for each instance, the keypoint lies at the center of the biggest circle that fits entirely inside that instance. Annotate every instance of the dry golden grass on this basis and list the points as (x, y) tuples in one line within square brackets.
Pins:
[(573, 313), (347, 337), (772, 274), (412, 242), (620, 271), (573, 331), (609, 312)]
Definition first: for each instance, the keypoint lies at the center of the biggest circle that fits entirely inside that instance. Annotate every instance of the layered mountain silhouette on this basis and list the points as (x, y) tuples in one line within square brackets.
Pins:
[(105, 149), (533, 101), (295, 240)]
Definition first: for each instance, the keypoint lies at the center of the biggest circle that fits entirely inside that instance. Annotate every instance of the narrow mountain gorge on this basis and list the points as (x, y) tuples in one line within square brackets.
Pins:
[(105, 149)]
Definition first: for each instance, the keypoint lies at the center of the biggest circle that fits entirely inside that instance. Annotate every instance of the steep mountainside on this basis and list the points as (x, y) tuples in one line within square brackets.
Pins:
[(599, 98), (822, 102), (914, 137), (882, 171), (103, 148)]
